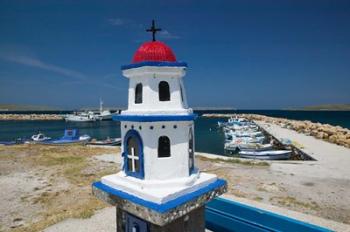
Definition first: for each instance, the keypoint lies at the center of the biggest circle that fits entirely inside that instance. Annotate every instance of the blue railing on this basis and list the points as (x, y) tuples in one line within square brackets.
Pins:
[(226, 215)]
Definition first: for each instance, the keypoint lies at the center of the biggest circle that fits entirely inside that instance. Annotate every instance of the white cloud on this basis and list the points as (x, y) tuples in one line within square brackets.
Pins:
[(78, 77), (116, 21), (167, 35), (34, 62)]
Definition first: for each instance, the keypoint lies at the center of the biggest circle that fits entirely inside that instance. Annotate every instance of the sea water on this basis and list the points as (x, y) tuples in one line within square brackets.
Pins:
[(208, 138)]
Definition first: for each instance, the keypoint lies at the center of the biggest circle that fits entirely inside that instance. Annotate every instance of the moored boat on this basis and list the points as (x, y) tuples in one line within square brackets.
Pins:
[(266, 155), (254, 147), (39, 137), (71, 136), (81, 117), (106, 142)]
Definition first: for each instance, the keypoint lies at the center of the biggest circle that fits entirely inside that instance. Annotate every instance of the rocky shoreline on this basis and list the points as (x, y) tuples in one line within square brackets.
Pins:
[(333, 134), (20, 117)]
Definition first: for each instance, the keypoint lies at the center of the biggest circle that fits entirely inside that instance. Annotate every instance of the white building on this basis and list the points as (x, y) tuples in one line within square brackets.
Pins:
[(157, 130)]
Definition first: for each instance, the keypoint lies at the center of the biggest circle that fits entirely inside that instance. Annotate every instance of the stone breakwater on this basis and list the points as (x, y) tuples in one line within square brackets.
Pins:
[(33, 117), (333, 134)]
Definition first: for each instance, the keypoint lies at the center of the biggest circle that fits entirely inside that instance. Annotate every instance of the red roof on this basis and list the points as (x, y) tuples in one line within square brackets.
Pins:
[(154, 51)]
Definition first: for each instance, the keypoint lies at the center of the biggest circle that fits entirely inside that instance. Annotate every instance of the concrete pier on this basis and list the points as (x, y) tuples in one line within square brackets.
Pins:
[(331, 160)]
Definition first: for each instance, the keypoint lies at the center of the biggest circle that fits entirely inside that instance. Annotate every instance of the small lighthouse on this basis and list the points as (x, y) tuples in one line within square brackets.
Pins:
[(159, 187)]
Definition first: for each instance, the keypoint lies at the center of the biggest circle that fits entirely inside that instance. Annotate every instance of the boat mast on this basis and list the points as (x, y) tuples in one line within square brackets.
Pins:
[(101, 105)]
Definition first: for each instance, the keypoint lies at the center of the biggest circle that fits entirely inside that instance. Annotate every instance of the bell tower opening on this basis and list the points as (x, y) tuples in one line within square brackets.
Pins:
[(138, 93), (164, 91)]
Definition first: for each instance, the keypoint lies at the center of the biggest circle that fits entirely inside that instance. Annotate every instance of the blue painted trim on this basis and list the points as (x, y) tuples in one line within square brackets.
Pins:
[(141, 173), (154, 118), (226, 215), (160, 208), (154, 63)]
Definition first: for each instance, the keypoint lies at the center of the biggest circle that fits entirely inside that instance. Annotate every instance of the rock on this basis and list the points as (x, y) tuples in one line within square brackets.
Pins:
[(320, 135)]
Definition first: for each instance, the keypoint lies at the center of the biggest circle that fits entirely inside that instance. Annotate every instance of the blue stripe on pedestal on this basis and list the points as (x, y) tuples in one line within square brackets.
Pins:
[(154, 64), (154, 118), (161, 208)]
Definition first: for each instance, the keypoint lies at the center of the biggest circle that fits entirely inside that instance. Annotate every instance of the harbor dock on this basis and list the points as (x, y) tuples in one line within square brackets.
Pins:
[(331, 160)]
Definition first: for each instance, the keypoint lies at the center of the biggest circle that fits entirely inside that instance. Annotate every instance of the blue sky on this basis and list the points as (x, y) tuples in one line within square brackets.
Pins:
[(242, 54)]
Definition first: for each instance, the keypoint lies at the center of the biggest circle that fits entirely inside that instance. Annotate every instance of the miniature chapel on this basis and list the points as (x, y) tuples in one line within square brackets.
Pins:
[(158, 169)]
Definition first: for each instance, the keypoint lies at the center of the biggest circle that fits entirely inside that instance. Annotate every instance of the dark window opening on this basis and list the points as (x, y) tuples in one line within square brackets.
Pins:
[(163, 147), (138, 93), (164, 91)]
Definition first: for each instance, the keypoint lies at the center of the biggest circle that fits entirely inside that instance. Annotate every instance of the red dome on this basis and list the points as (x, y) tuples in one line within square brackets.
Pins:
[(154, 51)]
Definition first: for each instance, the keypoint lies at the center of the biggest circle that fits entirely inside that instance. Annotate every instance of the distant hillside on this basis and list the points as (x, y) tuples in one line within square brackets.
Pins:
[(15, 107), (344, 107)]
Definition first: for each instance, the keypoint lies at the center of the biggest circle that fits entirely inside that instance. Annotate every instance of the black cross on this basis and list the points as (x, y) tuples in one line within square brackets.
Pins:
[(154, 30)]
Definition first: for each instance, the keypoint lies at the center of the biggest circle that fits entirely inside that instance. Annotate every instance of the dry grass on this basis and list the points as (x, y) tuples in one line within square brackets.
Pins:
[(258, 198), (294, 203), (85, 210), (69, 171), (236, 161)]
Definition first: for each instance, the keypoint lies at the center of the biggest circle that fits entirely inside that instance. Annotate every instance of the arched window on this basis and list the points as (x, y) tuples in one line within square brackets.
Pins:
[(138, 93), (164, 91), (133, 154), (163, 147)]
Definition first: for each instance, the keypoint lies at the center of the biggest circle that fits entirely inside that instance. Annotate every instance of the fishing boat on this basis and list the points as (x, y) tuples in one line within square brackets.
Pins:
[(254, 147), (238, 122), (39, 137), (104, 114), (246, 133), (266, 155), (237, 140), (81, 117), (243, 146), (71, 136), (106, 142)]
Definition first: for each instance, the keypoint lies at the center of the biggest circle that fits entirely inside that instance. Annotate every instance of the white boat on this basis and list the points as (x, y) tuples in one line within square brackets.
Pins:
[(238, 140), (236, 122), (266, 155), (81, 117), (85, 138), (246, 133), (254, 147), (104, 114), (39, 137)]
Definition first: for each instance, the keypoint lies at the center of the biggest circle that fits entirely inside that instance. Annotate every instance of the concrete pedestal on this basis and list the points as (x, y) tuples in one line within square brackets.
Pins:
[(194, 221), (185, 213)]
